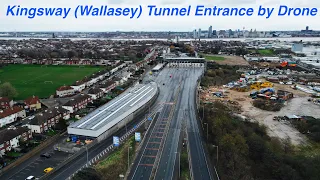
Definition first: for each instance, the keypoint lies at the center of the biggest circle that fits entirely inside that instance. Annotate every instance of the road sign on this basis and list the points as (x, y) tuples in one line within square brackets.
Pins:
[(149, 119), (116, 141), (137, 136)]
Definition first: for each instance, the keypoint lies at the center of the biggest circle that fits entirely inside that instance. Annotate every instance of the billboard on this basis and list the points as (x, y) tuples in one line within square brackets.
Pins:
[(137, 136), (116, 141)]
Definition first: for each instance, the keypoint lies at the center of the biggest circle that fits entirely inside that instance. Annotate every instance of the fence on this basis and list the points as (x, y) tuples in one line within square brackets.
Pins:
[(31, 153)]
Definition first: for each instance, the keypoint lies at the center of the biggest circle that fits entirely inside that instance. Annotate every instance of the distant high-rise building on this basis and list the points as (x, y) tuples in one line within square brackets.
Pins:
[(195, 34), (210, 32), (214, 33), (307, 28), (199, 33)]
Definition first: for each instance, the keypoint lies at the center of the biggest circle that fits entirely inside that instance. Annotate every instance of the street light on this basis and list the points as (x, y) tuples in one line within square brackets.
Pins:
[(217, 153), (207, 130), (129, 147), (87, 154)]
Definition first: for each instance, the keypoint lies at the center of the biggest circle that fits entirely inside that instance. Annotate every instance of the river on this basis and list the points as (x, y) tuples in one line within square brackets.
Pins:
[(304, 39)]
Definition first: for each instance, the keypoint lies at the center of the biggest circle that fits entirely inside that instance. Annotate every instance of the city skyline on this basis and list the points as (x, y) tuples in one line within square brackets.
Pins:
[(181, 24)]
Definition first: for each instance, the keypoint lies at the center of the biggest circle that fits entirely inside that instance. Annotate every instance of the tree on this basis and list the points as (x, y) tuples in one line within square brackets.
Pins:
[(87, 174), (72, 54), (7, 90), (61, 125)]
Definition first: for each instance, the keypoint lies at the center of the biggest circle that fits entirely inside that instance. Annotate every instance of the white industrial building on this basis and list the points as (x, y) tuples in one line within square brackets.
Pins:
[(107, 119)]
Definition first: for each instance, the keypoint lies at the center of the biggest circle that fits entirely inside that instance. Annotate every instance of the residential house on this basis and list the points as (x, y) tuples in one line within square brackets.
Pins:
[(65, 91), (8, 116), (118, 81), (11, 137), (108, 86), (126, 76), (77, 103), (33, 103), (48, 118), (95, 93), (5, 103), (92, 81), (79, 86)]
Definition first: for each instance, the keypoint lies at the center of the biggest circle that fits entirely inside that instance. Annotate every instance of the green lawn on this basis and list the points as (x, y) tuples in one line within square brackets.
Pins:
[(36, 79), (266, 52), (213, 58)]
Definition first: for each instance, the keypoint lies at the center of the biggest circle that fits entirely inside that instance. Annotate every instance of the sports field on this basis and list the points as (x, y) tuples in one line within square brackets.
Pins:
[(41, 80)]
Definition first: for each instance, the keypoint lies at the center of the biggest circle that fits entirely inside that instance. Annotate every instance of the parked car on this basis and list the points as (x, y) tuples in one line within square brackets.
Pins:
[(45, 155)]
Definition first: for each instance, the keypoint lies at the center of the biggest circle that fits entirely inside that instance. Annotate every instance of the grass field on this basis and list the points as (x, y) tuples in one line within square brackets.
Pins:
[(213, 58), (266, 52), (36, 79)]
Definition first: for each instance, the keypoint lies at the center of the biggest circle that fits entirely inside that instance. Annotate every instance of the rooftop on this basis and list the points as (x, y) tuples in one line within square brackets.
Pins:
[(113, 112)]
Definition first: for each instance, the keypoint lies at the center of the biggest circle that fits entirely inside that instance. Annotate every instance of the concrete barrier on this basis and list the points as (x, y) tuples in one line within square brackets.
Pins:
[(31, 153)]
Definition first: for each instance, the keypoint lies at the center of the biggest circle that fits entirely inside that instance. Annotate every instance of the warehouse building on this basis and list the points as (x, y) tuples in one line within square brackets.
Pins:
[(112, 116)]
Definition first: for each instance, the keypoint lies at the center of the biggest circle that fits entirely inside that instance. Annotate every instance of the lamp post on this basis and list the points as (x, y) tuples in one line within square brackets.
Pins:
[(129, 147), (207, 130), (217, 153), (87, 154)]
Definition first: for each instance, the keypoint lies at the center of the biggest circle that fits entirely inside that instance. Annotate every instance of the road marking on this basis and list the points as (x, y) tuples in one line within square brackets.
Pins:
[(145, 164), (154, 142), (149, 156)]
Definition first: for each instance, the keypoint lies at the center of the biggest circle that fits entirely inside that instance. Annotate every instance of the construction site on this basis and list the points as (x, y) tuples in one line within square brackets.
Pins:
[(253, 97)]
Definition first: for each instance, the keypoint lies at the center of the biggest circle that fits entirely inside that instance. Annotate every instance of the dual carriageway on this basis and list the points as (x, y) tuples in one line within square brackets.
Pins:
[(175, 119)]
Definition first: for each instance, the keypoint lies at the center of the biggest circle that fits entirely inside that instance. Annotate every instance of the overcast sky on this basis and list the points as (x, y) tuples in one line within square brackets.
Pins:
[(145, 23)]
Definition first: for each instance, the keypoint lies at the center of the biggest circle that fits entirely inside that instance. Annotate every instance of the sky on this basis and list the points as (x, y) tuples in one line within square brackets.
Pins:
[(159, 23)]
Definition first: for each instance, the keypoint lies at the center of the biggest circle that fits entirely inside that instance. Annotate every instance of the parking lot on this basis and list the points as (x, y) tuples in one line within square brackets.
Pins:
[(36, 167)]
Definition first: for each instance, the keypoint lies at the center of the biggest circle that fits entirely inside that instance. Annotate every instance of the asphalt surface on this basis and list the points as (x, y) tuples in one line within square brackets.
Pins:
[(145, 161), (169, 157), (35, 165), (167, 149), (74, 165)]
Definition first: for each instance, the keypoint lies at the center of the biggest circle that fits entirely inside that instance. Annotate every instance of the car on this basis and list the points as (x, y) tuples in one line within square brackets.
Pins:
[(47, 170), (45, 155), (30, 178)]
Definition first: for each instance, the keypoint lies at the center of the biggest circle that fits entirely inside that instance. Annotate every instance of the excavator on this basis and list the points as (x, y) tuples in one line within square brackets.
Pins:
[(288, 64)]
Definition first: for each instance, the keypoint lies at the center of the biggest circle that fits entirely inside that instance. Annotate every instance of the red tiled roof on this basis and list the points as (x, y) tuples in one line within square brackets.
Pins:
[(8, 112), (4, 99), (32, 100), (64, 88)]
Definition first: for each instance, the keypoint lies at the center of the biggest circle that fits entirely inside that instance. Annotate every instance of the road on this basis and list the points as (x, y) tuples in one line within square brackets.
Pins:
[(151, 147), (31, 165), (167, 149), (184, 113)]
